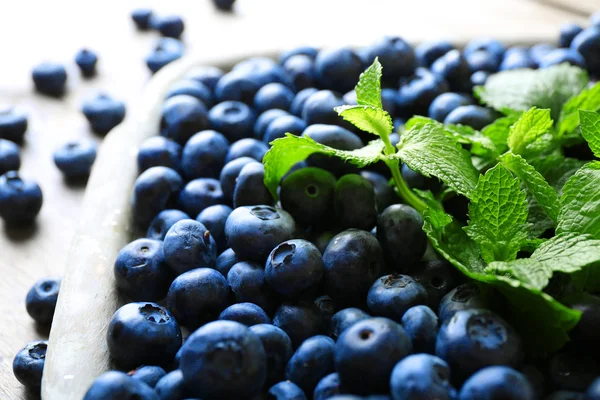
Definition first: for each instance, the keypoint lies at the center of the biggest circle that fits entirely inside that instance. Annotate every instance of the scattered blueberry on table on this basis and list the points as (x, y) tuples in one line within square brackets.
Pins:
[(86, 60), (50, 78), (13, 124), (103, 112), (75, 158)]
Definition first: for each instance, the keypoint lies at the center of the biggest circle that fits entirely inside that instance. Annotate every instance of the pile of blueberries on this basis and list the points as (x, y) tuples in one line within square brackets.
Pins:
[(331, 292)]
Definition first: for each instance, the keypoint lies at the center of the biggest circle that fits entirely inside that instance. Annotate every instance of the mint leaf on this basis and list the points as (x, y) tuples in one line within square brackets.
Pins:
[(499, 130), (528, 129), (498, 215), (590, 128), (521, 89), (287, 151), (588, 100), (368, 118), (560, 172), (427, 148), (580, 211), (480, 145), (535, 183), (368, 89)]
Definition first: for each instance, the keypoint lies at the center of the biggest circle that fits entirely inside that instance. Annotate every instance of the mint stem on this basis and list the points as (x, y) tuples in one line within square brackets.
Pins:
[(405, 192)]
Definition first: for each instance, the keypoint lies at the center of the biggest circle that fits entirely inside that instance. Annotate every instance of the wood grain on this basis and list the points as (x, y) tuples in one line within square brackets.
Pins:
[(56, 30)]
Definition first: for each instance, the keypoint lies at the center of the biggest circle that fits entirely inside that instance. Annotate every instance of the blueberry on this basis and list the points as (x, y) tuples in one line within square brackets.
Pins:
[(153, 190), (344, 319), (560, 56), (481, 60), (141, 18), (352, 261), (538, 51), (282, 125), (204, 155), (116, 385), (479, 78), (415, 180), (497, 382), (355, 203), (141, 271), (515, 58), (392, 295), (278, 348), (593, 391), (254, 231), (377, 342), (240, 86), (149, 374), (182, 117), (250, 188), (158, 151), (171, 386), (318, 108), (199, 194), (192, 88), (28, 364), (10, 156), (298, 103), (198, 296), (264, 119), (587, 43), (428, 52), (476, 117), (225, 261), (161, 224), (245, 313), (338, 69), (224, 5), (573, 369), (489, 45), (336, 137), (300, 321), (207, 75), (20, 201), (327, 387), (75, 158), (86, 60), (143, 333), (446, 103), (229, 174), (421, 377), (233, 119), (165, 51), (421, 324), (438, 277), (273, 95), (169, 26), (13, 124), (103, 113), (588, 327), (213, 218), (310, 52), (50, 78), (477, 338), (399, 229), (247, 282), (395, 55), (453, 67), (416, 93), (293, 267), (223, 359), (312, 361), (307, 194), (285, 390), (188, 245), (464, 297), (568, 31), (384, 194), (247, 147), (41, 300), (301, 71)]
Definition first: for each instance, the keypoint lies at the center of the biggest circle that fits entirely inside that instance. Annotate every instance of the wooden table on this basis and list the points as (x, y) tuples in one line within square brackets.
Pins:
[(33, 31)]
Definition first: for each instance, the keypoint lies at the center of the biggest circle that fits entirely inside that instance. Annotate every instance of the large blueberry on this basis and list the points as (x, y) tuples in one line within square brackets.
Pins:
[(312, 361), (421, 324), (238, 86), (250, 188), (188, 245), (445, 103), (248, 284), (247, 147), (116, 385), (355, 202), (273, 95), (299, 320), (20, 200), (223, 359), (158, 151), (301, 71), (282, 125), (400, 231), (103, 113), (225, 261), (497, 382), (163, 221), (204, 155), (264, 119), (229, 174), (199, 194), (298, 103), (428, 52), (307, 194), (453, 67), (28, 364), (476, 117), (245, 313), (391, 295), (143, 334), (13, 124), (183, 116), (395, 55), (278, 347), (50, 78), (344, 319), (587, 43), (421, 377), (194, 88), (213, 218), (416, 93), (233, 119), (41, 300), (318, 108), (338, 69), (75, 158)]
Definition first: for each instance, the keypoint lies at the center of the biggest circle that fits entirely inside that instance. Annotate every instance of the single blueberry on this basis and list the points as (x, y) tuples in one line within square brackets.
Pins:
[(421, 324), (149, 374), (417, 92), (199, 194), (438, 277), (352, 262), (247, 147), (298, 103), (421, 377), (233, 119), (301, 71), (477, 338), (344, 319), (171, 386), (198, 296), (141, 271), (327, 387), (307, 194), (75, 158), (224, 5), (171, 26), (20, 200), (225, 261), (336, 137), (312, 361), (560, 56), (395, 55), (213, 218), (250, 188), (497, 382), (238, 86), (229, 174), (188, 245), (50, 78), (476, 117), (86, 60), (13, 124), (355, 203), (161, 224), (223, 359), (309, 51), (377, 342), (254, 231), (204, 155), (207, 75), (400, 232), (568, 31), (245, 313), (445, 103), (273, 95), (28, 364), (103, 113), (158, 151), (264, 119), (464, 297), (143, 334), (489, 45), (282, 125), (384, 194), (481, 60), (428, 52), (165, 51), (285, 390), (278, 347), (516, 58), (141, 18), (41, 300), (153, 190), (10, 156), (116, 385), (192, 88), (338, 69), (247, 282), (300, 320), (392, 295), (318, 108), (182, 116), (453, 67)]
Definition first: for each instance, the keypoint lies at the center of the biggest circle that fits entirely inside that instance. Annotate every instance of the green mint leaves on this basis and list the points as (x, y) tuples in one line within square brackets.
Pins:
[(528, 129), (368, 89), (590, 129), (581, 202), (368, 118), (587, 100)]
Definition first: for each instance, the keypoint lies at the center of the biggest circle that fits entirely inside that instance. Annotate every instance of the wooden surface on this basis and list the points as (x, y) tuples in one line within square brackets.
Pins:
[(33, 31)]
